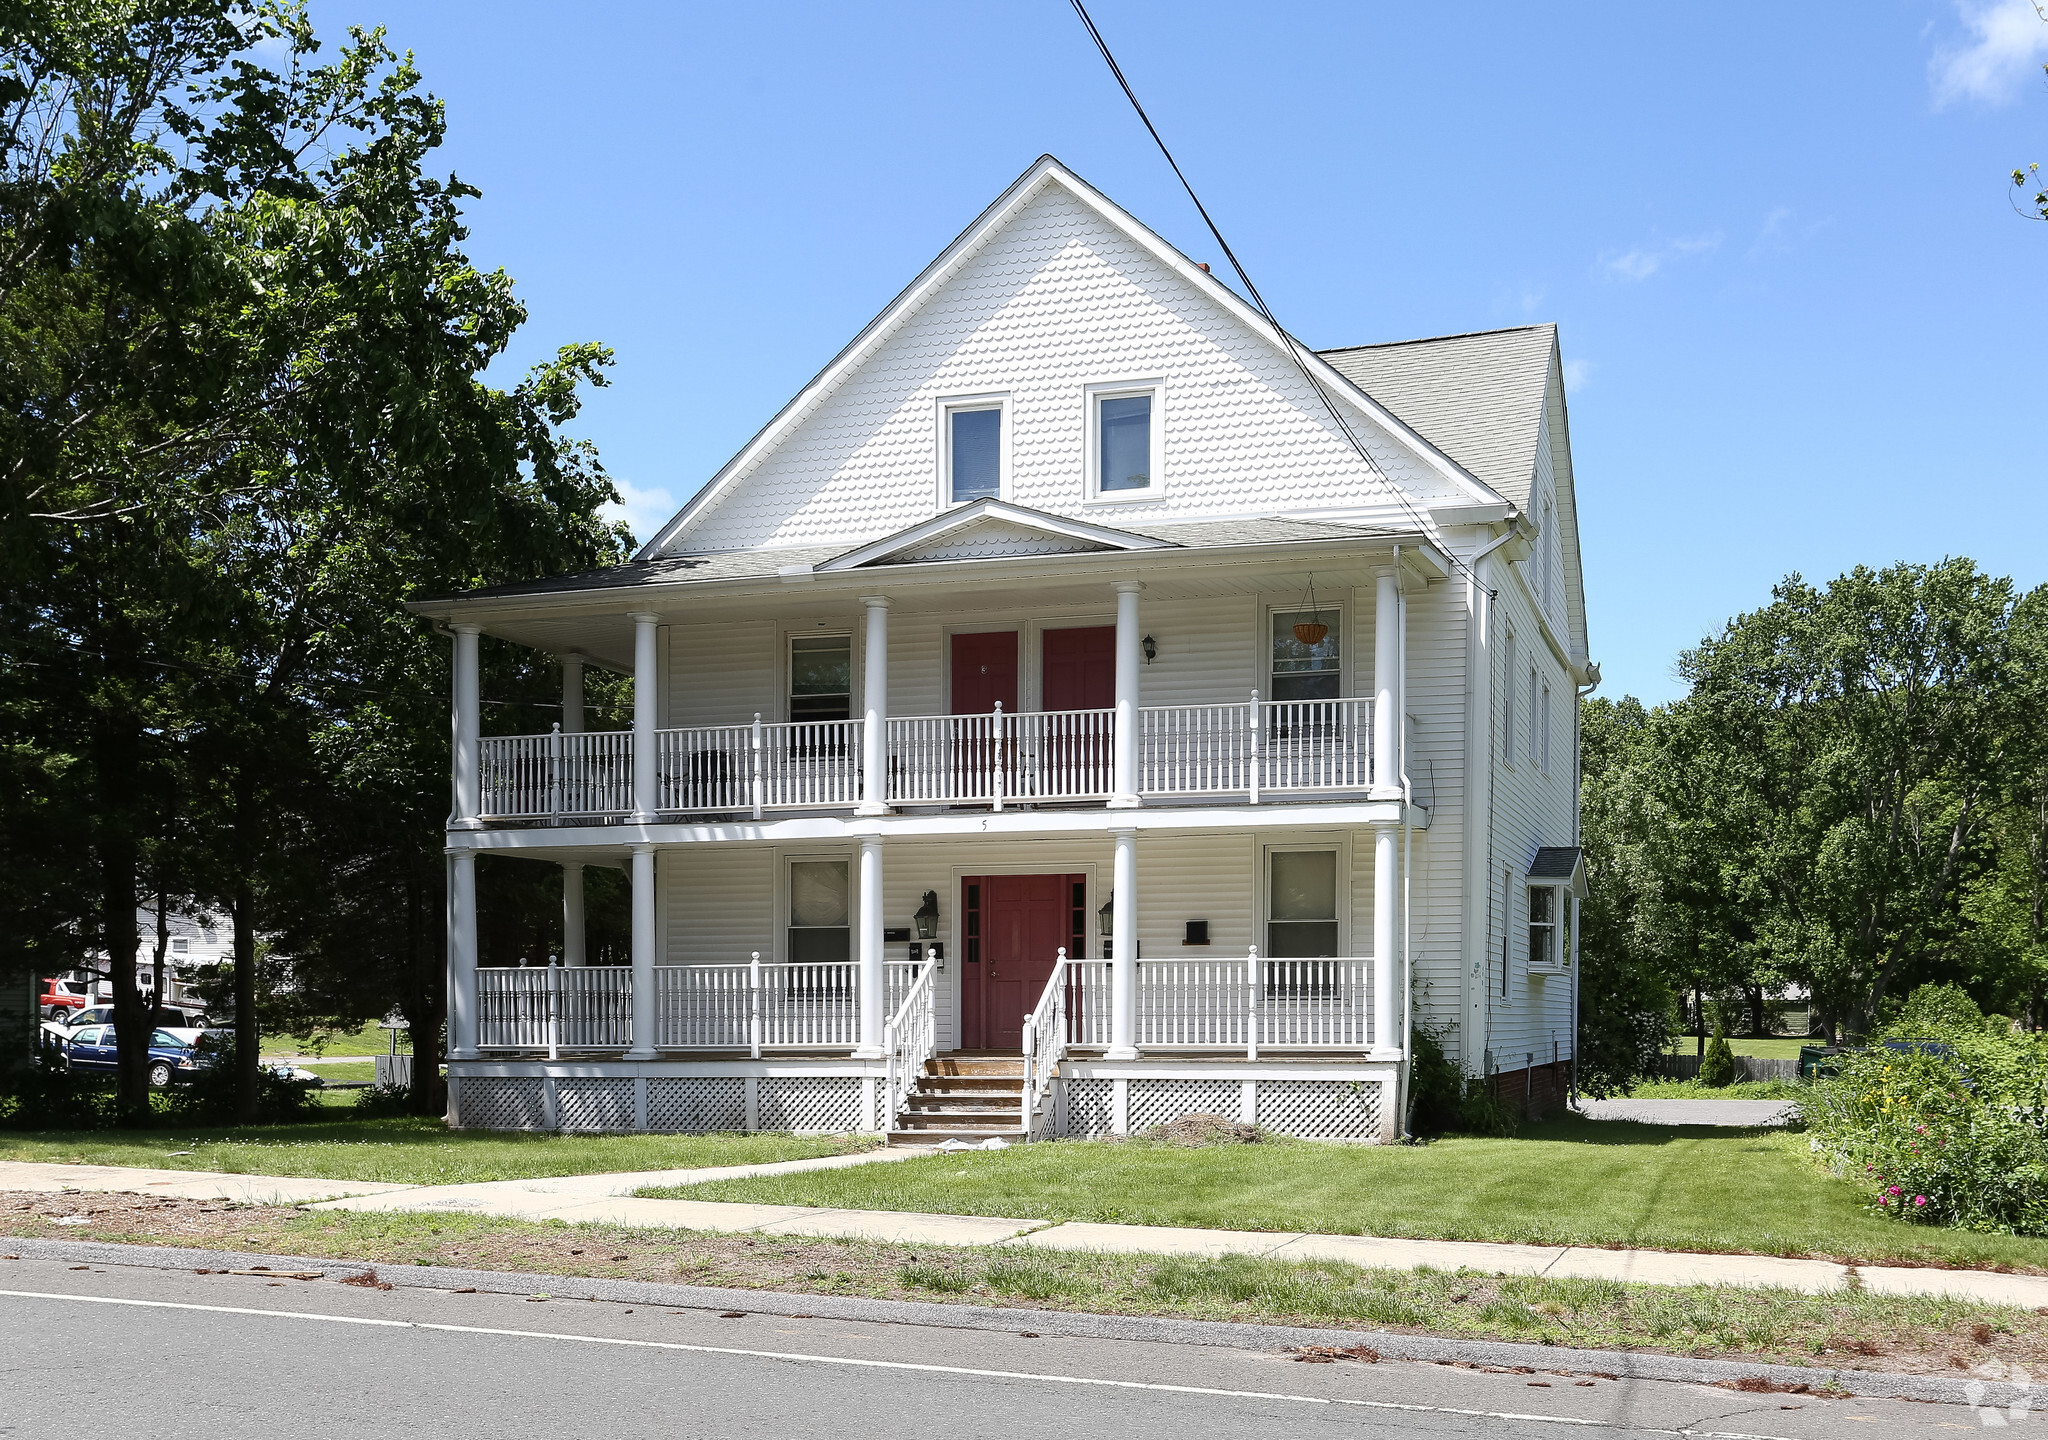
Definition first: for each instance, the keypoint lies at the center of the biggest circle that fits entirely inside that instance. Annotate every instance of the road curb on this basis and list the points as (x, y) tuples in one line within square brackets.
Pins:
[(1628, 1364)]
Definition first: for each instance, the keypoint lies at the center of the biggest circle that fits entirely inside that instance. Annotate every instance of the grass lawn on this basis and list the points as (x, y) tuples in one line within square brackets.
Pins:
[(333, 1044), (1567, 1181), (1848, 1329), (405, 1149), (1773, 1049)]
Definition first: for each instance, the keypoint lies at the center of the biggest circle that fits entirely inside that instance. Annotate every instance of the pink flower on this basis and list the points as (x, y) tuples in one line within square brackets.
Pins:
[(1893, 1190), (1918, 1201)]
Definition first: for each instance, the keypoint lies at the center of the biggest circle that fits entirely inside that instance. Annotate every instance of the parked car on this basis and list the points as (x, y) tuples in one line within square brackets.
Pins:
[(166, 1015), (173, 1053), (285, 1070), (59, 998)]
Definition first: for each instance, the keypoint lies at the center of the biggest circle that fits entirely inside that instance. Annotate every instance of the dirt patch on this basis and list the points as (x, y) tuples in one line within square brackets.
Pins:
[(1198, 1131)]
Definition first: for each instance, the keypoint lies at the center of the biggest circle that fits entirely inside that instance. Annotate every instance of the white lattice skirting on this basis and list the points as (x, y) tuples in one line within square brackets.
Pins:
[(677, 1104), (1309, 1109)]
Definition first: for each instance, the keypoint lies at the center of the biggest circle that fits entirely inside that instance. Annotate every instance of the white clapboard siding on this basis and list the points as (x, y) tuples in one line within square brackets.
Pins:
[(722, 674), (1057, 299), (720, 903)]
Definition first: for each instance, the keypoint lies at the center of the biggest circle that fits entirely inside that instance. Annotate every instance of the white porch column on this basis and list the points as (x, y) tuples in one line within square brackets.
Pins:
[(468, 780), (462, 954), (1124, 750), (1386, 968), (1123, 950), (1387, 699), (874, 742), (572, 913), (872, 999), (572, 694), (646, 707), (643, 954)]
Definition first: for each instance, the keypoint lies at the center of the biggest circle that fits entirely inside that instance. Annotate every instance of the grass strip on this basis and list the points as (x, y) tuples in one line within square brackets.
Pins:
[(1847, 1329), (1565, 1182), (336, 1145)]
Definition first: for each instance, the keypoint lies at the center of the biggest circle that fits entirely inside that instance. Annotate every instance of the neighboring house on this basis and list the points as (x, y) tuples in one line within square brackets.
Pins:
[(199, 942), (1051, 686)]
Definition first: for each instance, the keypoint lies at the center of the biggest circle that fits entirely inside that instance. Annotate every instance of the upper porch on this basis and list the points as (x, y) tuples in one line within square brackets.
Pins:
[(991, 675)]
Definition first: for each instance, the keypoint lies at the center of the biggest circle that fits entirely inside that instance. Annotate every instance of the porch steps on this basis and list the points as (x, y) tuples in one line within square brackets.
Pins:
[(963, 1097)]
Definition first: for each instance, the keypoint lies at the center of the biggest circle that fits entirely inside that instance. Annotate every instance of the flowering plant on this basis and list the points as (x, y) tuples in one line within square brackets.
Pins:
[(1943, 1123)]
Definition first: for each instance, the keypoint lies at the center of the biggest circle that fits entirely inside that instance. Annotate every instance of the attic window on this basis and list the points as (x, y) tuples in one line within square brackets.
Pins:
[(1123, 441), (974, 452)]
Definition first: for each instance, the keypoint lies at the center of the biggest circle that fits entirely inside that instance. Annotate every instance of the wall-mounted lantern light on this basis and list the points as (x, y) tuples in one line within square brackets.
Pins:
[(927, 916), (1105, 918), (1151, 648)]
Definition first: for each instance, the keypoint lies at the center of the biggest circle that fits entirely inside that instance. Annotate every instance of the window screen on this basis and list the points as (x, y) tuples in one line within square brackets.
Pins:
[(976, 446), (1302, 671), (819, 928), (1302, 913), (1125, 425), (820, 677), (1542, 925)]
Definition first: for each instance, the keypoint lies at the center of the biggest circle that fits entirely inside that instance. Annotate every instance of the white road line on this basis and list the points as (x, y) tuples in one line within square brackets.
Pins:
[(876, 1364)]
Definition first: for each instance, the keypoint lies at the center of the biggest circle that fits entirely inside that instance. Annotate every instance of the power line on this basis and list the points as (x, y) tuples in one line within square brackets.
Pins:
[(1288, 341)]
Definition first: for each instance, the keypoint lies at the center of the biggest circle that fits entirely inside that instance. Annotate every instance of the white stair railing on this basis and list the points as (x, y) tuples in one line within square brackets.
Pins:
[(909, 1041), (1045, 1043)]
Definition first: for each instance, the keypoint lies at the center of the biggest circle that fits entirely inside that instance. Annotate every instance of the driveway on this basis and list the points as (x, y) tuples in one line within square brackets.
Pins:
[(1742, 1113)]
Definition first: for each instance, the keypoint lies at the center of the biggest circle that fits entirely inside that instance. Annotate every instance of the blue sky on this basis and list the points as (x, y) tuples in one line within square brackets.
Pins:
[(1801, 318)]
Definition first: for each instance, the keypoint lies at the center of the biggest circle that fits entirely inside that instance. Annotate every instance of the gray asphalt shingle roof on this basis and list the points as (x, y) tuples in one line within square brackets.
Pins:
[(1478, 397)]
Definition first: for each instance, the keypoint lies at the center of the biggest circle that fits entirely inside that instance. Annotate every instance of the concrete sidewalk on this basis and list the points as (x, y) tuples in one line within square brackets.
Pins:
[(609, 1200)]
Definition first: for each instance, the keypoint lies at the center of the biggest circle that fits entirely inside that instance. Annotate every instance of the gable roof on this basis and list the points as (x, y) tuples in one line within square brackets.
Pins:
[(1478, 397), (1047, 171), (988, 528)]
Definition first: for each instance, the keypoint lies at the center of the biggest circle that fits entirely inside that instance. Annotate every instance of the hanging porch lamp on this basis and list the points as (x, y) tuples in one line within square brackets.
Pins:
[(1312, 631)]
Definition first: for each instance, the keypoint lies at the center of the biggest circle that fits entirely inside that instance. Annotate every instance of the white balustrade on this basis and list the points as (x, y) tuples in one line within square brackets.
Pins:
[(554, 1007), (909, 1040), (1045, 1042), (1249, 748), (1255, 746)]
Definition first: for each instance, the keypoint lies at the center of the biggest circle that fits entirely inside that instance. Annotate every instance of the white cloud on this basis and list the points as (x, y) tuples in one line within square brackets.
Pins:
[(1644, 261), (2009, 38), (644, 510), (1576, 374)]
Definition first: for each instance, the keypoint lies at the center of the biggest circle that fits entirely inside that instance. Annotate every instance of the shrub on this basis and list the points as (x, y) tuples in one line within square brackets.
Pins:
[(1717, 1066), (209, 1096), (1945, 1124), (1442, 1098), (46, 1096), (380, 1101)]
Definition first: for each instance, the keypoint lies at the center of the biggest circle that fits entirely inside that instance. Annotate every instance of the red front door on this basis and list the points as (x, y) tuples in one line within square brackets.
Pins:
[(1016, 927), (1080, 668)]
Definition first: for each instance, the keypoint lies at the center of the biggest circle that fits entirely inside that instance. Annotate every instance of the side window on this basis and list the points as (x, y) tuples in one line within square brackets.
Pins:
[(1542, 925), (1123, 427), (820, 677), (1532, 715), (1548, 540), (819, 920), (1546, 727), (1307, 655), (1301, 915), (974, 452)]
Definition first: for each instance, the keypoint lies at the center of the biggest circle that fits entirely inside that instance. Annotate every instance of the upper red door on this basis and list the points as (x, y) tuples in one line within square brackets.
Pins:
[(1080, 668), (985, 671)]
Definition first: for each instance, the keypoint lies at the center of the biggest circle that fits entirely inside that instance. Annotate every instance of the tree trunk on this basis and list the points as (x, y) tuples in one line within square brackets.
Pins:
[(116, 774), (1699, 1016), (426, 987), (248, 1035), (163, 945), (1757, 1028)]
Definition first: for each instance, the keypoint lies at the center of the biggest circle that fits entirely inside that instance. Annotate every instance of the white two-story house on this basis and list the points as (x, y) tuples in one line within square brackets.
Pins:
[(1079, 707)]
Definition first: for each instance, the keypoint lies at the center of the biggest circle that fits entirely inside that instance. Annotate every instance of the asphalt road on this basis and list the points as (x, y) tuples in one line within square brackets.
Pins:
[(115, 1350)]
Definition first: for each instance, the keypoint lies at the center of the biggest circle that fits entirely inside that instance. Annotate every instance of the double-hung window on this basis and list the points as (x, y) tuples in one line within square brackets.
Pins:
[(821, 677), (820, 921), (1307, 669), (1301, 912), (1542, 927)]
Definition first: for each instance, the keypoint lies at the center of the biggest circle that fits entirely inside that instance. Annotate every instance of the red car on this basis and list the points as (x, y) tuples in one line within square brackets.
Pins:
[(59, 998)]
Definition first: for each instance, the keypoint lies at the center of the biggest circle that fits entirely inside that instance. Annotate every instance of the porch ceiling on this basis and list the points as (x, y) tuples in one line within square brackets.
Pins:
[(595, 623)]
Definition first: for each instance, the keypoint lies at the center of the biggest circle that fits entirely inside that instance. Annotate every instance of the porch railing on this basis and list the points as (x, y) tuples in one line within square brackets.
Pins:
[(750, 1006), (1242, 1004), (1250, 748), (1045, 1042), (998, 757), (909, 1040), (1255, 746)]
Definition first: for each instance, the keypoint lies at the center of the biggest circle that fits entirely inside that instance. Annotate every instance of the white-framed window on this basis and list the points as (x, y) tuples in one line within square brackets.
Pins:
[(820, 677), (1533, 718), (820, 913), (1508, 700), (1302, 903), (974, 449), (1546, 727), (1548, 541), (180, 945), (1126, 440), (1550, 928), (1303, 669)]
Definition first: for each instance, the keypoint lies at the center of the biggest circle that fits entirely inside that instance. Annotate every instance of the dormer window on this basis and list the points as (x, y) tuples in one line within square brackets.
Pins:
[(1123, 442), (973, 446)]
